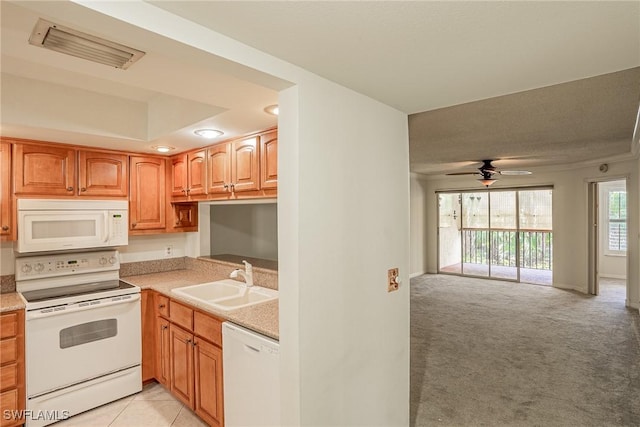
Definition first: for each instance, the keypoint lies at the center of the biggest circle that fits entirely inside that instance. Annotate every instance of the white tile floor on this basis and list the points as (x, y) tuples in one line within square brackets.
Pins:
[(153, 407)]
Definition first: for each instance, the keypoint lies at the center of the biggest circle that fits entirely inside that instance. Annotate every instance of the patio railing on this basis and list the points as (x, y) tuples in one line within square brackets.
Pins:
[(481, 245)]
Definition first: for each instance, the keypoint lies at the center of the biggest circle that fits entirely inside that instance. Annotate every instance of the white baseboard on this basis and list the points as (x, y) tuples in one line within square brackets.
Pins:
[(570, 287), (412, 275), (613, 276), (635, 305)]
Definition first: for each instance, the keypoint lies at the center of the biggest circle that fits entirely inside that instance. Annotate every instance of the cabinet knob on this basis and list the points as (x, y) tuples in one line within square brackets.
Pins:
[(164, 327), (83, 189), (134, 224), (184, 190), (162, 306), (188, 190), (226, 186), (69, 188), (233, 188), (5, 228)]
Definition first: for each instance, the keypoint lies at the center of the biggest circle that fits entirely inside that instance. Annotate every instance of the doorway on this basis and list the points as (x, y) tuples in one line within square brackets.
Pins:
[(501, 234), (608, 239)]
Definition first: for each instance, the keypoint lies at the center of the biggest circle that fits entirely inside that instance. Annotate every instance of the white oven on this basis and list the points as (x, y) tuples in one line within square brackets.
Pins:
[(54, 225), (82, 333)]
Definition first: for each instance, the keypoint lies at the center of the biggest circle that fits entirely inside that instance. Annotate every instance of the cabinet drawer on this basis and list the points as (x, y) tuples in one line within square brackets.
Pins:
[(181, 315), (8, 325), (208, 328), (162, 305), (8, 350), (9, 376)]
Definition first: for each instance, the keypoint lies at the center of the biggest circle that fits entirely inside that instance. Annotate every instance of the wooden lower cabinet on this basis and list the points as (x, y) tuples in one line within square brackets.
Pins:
[(182, 364), (163, 352), (188, 350), (12, 373), (208, 381), (148, 318)]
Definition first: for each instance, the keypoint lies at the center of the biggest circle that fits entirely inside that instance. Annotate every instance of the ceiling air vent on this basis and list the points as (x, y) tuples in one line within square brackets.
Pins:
[(66, 40)]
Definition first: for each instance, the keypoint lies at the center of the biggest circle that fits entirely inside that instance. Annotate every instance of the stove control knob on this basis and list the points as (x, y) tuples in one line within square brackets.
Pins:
[(103, 261), (112, 260), (39, 267), (26, 268)]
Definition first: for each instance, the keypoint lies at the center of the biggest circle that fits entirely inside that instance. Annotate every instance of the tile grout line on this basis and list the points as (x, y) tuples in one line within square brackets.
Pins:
[(122, 410)]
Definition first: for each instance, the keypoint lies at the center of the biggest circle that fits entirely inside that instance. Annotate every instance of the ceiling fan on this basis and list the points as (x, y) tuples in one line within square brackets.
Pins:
[(487, 171)]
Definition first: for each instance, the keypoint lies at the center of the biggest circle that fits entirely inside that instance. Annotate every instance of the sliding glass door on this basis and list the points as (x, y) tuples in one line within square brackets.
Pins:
[(501, 234)]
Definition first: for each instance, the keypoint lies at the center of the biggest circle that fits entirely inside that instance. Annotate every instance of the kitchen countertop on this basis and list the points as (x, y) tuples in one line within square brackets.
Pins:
[(262, 318), (11, 301)]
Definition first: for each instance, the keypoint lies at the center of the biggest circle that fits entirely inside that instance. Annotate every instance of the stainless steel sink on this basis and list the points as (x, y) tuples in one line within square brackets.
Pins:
[(226, 294)]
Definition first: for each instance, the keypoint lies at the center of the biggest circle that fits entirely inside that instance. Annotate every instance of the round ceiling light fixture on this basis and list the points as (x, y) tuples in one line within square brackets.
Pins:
[(208, 133), (163, 148), (272, 109)]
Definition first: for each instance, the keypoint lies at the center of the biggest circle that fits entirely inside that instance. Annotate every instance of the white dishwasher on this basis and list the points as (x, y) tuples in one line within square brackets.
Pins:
[(251, 378)]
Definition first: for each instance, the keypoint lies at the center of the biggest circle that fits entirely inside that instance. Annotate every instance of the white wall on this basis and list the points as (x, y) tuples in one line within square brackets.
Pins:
[(343, 220), (418, 239), (609, 265), (353, 197), (569, 219), (150, 247)]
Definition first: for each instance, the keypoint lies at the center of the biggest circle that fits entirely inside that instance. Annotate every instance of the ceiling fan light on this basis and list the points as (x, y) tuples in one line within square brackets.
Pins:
[(487, 181)]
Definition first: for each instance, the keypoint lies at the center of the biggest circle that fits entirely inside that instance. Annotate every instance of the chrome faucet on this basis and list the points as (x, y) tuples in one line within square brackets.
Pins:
[(247, 274)]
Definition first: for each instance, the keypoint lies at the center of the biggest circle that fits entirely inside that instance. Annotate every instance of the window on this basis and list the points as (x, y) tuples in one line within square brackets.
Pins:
[(617, 221)]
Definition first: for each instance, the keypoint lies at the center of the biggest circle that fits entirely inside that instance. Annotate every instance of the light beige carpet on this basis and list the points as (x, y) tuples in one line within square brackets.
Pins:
[(491, 353)]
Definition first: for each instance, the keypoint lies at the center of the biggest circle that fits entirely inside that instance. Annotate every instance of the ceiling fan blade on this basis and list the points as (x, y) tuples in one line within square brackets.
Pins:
[(515, 173), (464, 173)]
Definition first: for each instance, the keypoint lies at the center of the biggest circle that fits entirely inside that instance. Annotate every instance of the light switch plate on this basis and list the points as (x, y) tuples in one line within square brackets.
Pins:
[(392, 282)]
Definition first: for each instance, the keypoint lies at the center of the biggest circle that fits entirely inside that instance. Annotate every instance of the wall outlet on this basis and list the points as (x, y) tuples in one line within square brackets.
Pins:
[(392, 280), (168, 251)]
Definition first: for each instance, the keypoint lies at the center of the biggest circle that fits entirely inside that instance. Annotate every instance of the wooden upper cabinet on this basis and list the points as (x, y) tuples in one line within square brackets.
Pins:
[(147, 209), (245, 164), (189, 174), (102, 174), (269, 160), (44, 170), (179, 175), (219, 164), (6, 212)]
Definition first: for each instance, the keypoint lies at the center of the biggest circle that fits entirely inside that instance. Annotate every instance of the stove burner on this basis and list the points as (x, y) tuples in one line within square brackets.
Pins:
[(67, 291)]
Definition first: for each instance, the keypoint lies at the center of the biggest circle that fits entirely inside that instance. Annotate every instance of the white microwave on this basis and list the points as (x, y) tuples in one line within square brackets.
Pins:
[(57, 225)]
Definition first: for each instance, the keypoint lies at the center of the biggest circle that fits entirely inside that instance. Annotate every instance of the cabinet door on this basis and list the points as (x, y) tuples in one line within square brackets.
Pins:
[(148, 317), (185, 216), (163, 352), (208, 382), (102, 174), (179, 175), (197, 173), (44, 170), (147, 201), (182, 364), (6, 217), (219, 164), (269, 160), (245, 164)]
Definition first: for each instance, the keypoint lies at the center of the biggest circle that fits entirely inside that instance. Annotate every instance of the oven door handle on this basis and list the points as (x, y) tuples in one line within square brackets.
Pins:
[(81, 306)]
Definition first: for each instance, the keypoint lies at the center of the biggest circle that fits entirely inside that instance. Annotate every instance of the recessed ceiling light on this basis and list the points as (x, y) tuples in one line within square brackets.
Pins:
[(272, 109), (208, 133), (163, 148)]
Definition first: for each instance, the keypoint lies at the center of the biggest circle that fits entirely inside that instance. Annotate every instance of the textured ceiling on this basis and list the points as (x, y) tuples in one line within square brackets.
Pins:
[(422, 55), (414, 55), (572, 122)]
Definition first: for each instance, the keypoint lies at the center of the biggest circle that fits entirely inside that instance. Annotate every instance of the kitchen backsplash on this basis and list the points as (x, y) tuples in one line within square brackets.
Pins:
[(217, 268)]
